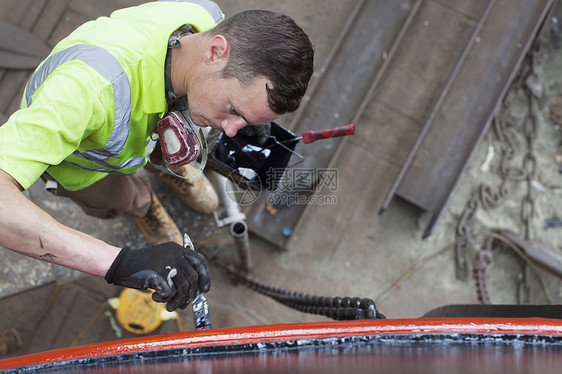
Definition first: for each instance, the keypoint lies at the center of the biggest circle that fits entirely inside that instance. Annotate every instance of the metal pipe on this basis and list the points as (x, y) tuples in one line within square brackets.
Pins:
[(239, 231), (223, 186), (234, 217)]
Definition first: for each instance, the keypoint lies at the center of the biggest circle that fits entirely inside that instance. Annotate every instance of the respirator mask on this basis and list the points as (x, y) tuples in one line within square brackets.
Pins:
[(181, 142)]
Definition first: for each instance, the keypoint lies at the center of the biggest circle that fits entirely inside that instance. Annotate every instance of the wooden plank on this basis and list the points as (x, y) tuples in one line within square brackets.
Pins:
[(15, 11), (17, 39), (15, 103), (11, 60), (19, 13), (20, 49), (12, 80), (93, 9), (471, 103), (334, 101), (32, 15), (13, 87), (50, 18), (69, 22)]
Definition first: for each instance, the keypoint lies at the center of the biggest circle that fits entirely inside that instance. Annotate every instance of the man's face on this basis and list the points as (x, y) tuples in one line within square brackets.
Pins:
[(226, 104)]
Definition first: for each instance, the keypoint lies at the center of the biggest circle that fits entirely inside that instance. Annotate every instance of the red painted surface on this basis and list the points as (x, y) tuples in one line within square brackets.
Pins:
[(277, 333)]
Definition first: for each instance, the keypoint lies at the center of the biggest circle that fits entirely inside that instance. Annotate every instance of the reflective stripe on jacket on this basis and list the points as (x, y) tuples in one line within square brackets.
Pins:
[(121, 60)]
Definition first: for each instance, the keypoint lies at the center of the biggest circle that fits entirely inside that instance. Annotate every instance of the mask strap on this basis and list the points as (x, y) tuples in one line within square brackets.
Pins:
[(173, 42)]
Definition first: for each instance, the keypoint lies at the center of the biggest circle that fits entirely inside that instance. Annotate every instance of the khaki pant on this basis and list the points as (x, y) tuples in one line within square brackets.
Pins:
[(114, 196)]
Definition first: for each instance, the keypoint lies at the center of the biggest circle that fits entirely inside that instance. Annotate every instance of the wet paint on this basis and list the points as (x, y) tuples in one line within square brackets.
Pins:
[(428, 343)]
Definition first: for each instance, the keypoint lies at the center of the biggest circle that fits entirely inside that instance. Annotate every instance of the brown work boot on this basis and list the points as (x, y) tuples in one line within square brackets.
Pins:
[(197, 193), (157, 226)]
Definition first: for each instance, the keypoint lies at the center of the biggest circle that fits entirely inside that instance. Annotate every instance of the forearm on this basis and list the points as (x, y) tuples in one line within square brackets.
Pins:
[(27, 229)]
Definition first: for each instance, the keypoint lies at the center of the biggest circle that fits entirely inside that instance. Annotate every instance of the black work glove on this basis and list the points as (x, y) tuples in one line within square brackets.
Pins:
[(260, 132), (174, 272)]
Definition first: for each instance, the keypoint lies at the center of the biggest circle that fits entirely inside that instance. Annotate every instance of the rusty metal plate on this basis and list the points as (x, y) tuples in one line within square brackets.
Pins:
[(334, 100), (418, 73), (471, 103)]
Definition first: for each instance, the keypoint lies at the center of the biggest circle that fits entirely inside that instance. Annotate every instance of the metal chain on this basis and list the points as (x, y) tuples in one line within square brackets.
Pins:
[(528, 203), (482, 264), (509, 173), (486, 197), (463, 234), (527, 80), (529, 166)]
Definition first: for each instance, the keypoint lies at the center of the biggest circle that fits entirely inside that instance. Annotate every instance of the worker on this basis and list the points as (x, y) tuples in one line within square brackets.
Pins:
[(89, 115)]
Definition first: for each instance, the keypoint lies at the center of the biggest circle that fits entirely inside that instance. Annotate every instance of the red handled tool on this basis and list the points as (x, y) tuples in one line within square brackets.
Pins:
[(310, 136)]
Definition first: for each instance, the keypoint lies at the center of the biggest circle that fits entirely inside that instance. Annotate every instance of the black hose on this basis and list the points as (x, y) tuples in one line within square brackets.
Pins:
[(337, 308)]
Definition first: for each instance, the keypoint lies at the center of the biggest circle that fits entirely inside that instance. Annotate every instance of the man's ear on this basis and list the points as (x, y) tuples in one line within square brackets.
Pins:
[(217, 49)]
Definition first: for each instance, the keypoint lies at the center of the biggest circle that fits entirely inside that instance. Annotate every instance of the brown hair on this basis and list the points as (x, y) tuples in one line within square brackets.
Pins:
[(271, 45)]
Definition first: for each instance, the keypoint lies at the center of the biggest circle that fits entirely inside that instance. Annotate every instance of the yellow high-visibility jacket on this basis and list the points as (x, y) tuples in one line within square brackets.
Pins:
[(89, 109)]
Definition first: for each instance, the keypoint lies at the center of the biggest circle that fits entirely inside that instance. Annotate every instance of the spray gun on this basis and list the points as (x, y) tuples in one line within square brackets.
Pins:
[(261, 166)]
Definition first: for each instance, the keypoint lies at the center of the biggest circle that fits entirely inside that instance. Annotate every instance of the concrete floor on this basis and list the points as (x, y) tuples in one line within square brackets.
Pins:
[(364, 254)]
